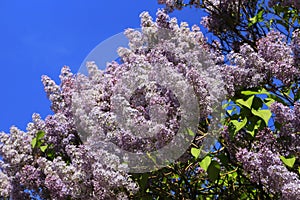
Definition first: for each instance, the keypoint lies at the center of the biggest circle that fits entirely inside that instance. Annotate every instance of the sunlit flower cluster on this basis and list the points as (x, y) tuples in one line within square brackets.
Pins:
[(114, 106), (57, 165)]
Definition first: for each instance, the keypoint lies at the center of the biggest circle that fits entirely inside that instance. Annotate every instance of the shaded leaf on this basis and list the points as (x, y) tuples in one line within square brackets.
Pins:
[(214, 170), (40, 135)]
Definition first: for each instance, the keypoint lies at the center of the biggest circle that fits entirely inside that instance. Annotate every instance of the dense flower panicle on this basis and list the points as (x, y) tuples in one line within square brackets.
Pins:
[(261, 162), (278, 54), (16, 147), (223, 14), (5, 184), (287, 3), (87, 176), (16, 151), (248, 70), (264, 166), (296, 47), (288, 133), (274, 60), (65, 169), (171, 4), (53, 92), (60, 96), (161, 46)]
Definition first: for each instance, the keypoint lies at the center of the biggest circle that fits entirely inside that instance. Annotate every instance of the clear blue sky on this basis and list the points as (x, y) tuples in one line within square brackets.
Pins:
[(39, 37)]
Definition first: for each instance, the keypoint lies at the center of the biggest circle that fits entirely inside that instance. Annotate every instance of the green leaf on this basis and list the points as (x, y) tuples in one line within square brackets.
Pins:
[(263, 114), (213, 170), (50, 154), (195, 152), (246, 103), (288, 161), (294, 19), (244, 112), (249, 92), (143, 181), (33, 142), (297, 95), (43, 148), (40, 135), (205, 163), (257, 18), (232, 176), (269, 101), (190, 132), (239, 124)]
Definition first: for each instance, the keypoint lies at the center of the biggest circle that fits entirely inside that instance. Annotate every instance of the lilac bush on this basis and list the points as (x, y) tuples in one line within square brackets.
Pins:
[(67, 156)]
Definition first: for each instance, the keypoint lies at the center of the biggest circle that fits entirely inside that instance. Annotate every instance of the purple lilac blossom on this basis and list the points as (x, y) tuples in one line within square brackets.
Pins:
[(288, 3), (106, 108), (73, 171), (274, 59)]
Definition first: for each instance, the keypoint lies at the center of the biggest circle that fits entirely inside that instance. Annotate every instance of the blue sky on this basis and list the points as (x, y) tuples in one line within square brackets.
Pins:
[(39, 37)]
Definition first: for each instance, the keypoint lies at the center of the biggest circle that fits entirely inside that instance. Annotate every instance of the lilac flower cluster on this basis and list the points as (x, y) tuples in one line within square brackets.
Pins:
[(288, 3), (261, 163), (172, 5), (112, 106), (288, 133), (222, 15), (5, 186), (16, 152), (221, 12), (296, 47), (65, 168), (266, 169), (274, 59), (260, 158)]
